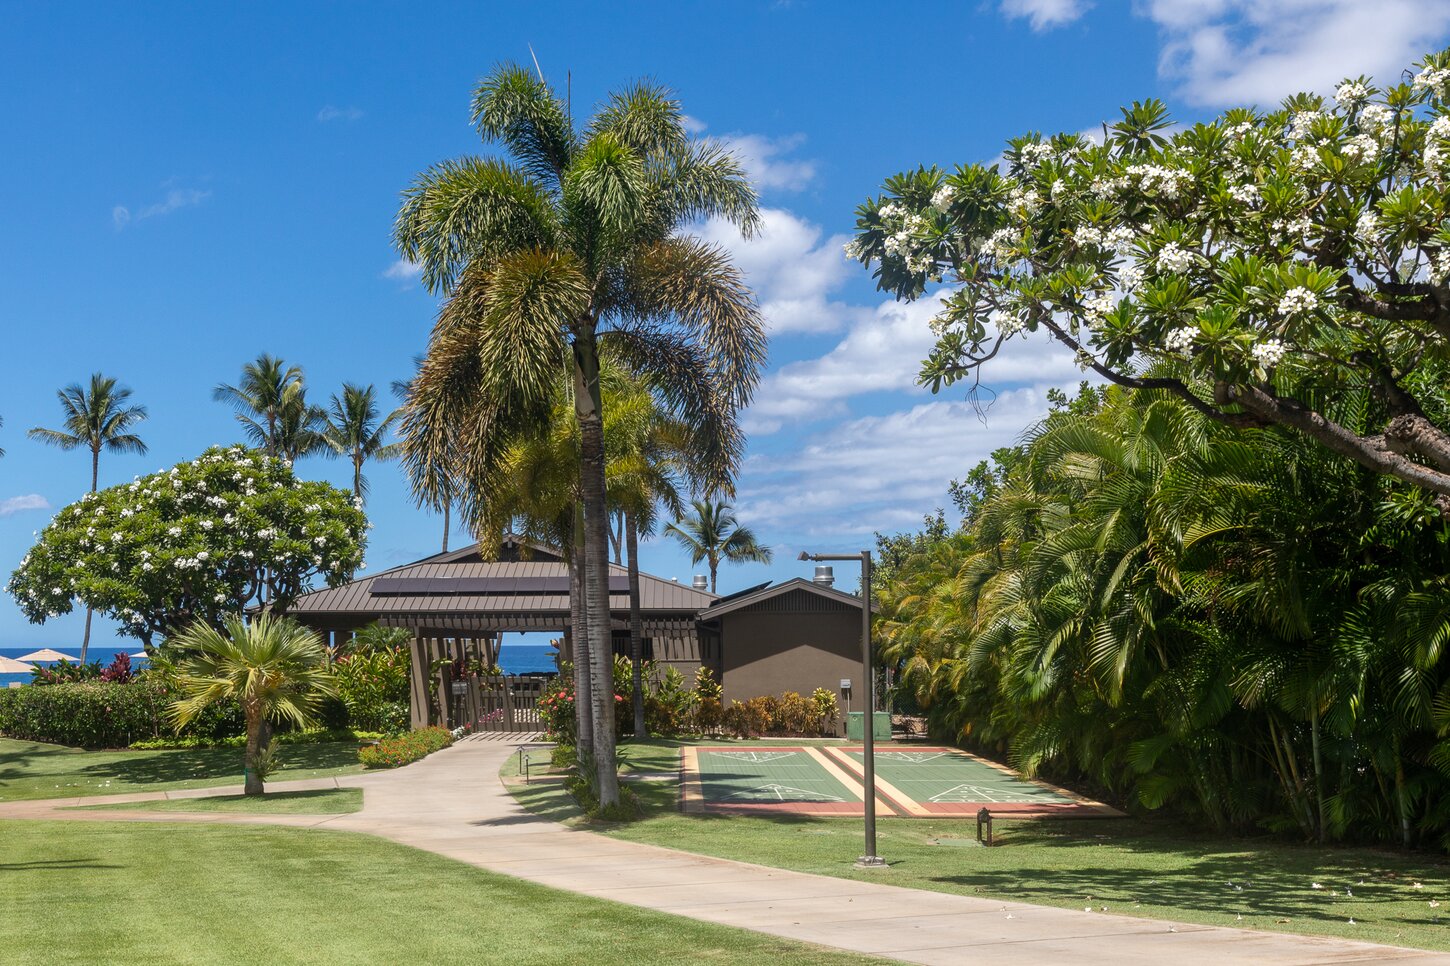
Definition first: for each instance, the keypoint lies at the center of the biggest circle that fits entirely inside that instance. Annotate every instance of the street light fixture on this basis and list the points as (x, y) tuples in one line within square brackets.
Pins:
[(868, 743)]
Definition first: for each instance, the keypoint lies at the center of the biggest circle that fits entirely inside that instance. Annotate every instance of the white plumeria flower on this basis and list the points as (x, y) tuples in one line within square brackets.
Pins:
[(1298, 299)]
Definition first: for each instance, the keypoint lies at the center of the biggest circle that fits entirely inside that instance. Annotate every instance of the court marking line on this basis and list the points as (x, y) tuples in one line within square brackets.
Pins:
[(906, 757), (827, 762), (1089, 804), (979, 796), (896, 796), (778, 788), (756, 757)]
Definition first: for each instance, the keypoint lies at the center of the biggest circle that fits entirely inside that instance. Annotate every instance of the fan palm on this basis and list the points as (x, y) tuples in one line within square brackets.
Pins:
[(711, 533), (271, 404), (275, 668), (97, 418), (573, 243), (353, 430)]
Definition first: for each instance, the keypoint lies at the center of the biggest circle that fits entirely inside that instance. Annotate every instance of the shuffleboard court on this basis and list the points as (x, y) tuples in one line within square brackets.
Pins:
[(941, 782), (768, 779)]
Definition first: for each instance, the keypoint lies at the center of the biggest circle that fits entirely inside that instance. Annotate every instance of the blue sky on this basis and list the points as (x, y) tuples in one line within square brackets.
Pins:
[(190, 185)]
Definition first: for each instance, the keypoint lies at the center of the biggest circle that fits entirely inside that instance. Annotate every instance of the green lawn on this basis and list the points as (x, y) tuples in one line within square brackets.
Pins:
[(82, 892), (324, 801), (1134, 867), (30, 769)]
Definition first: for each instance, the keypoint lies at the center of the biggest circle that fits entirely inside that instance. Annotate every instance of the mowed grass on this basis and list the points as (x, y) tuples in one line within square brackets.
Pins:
[(120, 893), (1130, 866), (30, 769), (323, 801)]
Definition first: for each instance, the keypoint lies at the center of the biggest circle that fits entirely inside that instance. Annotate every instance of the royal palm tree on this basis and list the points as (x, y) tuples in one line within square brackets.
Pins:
[(574, 242), (97, 418), (271, 404), (273, 667), (711, 533), (354, 430)]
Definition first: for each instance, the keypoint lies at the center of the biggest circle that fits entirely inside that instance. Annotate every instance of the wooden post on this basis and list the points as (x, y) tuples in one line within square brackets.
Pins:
[(418, 681)]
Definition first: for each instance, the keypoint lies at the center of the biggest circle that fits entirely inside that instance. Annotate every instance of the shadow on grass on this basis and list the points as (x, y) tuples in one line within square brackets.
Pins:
[(56, 865), (146, 768)]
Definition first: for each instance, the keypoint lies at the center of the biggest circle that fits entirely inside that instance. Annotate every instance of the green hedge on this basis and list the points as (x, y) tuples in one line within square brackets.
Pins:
[(316, 736), (405, 748), (99, 714)]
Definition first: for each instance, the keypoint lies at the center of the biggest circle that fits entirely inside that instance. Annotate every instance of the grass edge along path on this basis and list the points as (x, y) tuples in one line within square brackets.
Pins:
[(32, 769), (173, 893), (1133, 867), (321, 801)]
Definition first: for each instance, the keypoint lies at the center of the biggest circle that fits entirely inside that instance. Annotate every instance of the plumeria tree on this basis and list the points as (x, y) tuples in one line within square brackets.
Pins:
[(229, 530), (1254, 266)]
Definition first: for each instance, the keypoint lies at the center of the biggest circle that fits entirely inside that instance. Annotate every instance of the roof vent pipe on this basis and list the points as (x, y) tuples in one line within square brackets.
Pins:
[(701, 582), (825, 575)]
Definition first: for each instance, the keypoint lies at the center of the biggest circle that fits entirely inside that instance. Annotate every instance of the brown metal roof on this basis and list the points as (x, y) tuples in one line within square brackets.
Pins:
[(656, 595), (794, 585)]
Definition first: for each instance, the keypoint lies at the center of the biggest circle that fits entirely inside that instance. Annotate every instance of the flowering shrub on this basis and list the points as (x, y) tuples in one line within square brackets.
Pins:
[(1255, 262), (64, 672), (207, 538), (405, 748), (556, 711), (119, 670), (373, 689)]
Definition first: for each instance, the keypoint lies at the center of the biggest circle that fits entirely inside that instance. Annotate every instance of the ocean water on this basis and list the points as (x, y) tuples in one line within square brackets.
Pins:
[(513, 658)]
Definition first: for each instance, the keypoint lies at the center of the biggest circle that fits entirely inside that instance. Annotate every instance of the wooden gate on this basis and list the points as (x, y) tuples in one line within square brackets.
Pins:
[(505, 703)]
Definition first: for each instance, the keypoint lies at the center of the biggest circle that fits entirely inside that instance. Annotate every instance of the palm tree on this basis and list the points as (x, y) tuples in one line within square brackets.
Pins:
[(431, 477), (97, 418), (353, 430), (275, 668), (271, 404), (575, 242), (711, 533)]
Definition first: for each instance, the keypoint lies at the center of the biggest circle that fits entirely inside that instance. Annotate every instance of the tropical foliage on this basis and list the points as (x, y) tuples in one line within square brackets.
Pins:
[(230, 529), (273, 667), (1263, 262), (573, 242), (357, 431), (1236, 625), (271, 404)]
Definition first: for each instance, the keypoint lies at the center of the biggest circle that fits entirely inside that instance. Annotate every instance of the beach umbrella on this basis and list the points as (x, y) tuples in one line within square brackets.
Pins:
[(140, 656), (46, 654), (11, 666)]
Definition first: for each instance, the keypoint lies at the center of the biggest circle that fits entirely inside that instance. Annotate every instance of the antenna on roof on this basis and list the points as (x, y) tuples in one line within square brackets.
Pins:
[(536, 62)]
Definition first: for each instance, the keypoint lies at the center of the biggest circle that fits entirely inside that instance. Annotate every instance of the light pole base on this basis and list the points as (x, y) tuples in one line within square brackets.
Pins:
[(871, 862)]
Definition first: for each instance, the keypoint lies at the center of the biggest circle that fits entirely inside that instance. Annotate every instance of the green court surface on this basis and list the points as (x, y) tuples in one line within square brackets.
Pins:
[(829, 780), (932, 782), (799, 781)]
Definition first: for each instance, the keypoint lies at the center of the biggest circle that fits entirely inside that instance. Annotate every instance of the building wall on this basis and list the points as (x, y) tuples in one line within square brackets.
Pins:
[(789, 648)]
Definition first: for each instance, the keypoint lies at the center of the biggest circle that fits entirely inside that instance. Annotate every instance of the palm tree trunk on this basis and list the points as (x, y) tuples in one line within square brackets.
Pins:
[(256, 746), (357, 464), (588, 409), (636, 629), (1318, 770), (579, 628), (447, 523), (714, 567), (95, 483)]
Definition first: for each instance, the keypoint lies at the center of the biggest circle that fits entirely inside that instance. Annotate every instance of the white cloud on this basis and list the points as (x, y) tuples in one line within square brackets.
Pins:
[(765, 163), (175, 200), (880, 472), (19, 504), (692, 125), (332, 113), (792, 271), (403, 271), (1045, 14), (883, 352), (1224, 52)]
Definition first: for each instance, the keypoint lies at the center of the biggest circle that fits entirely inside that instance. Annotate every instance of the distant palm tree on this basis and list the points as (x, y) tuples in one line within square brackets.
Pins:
[(275, 668), (354, 430), (271, 404), (2, 423), (97, 418), (712, 534)]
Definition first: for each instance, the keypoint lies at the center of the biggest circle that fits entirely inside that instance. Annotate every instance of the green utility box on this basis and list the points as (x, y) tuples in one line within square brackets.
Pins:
[(880, 728)]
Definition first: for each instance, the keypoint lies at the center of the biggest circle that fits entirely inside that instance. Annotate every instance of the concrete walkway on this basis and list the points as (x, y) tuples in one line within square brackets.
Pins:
[(453, 803)]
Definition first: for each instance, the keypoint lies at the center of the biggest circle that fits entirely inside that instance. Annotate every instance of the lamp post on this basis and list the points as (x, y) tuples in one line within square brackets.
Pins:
[(868, 743)]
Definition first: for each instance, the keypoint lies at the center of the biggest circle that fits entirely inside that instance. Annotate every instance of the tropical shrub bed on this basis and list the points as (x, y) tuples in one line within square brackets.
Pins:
[(674, 710), (372, 687), (405, 748)]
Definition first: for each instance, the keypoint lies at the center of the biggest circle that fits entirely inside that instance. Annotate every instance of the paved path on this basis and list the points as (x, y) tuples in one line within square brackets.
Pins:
[(453, 803)]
